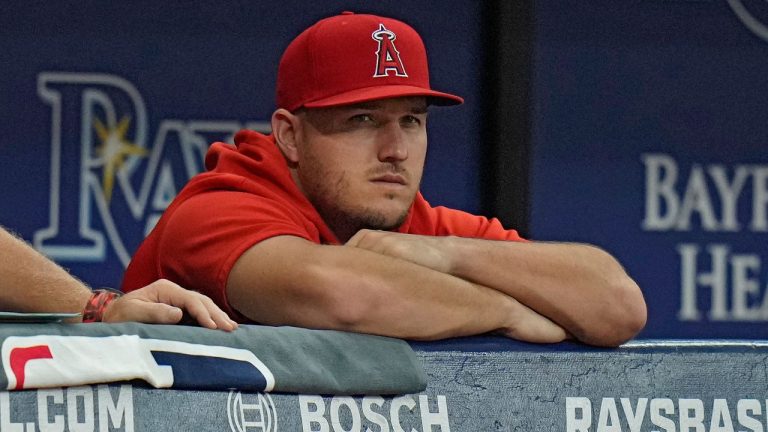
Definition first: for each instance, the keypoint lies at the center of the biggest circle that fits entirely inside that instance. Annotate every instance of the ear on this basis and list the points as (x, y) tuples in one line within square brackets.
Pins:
[(285, 128)]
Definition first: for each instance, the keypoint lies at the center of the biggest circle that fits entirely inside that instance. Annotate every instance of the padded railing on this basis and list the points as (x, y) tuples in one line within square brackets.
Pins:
[(480, 384)]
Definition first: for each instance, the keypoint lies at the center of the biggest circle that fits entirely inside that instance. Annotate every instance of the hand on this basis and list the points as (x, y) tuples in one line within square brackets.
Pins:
[(427, 251), (162, 301), (529, 326)]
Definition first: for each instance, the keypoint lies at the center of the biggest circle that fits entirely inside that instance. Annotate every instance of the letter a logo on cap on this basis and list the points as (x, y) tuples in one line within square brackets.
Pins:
[(387, 56)]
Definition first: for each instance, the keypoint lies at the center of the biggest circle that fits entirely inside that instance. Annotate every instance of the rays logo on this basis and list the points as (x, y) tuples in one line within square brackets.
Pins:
[(750, 19), (255, 415), (110, 178)]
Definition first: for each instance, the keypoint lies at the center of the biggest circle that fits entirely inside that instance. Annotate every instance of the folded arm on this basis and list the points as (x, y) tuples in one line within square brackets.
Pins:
[(580, 287), (287, 280)]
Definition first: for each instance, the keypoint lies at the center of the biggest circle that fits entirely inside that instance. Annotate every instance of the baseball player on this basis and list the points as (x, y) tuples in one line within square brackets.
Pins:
[(321, 224)]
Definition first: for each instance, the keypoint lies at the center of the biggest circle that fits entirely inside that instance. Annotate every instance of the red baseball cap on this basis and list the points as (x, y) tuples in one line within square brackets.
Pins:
[(351, 58)]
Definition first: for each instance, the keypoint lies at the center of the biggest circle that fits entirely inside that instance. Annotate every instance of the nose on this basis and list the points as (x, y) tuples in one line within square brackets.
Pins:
[(393, 144)]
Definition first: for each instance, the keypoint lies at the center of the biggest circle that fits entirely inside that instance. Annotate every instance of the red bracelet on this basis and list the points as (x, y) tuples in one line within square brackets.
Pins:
[(97, 304)]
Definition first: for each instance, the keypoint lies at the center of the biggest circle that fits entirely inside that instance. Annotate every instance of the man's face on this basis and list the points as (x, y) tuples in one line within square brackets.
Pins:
[(361, 165)]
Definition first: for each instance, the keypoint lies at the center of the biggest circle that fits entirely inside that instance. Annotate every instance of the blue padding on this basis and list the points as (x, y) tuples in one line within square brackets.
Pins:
[(210, 373)]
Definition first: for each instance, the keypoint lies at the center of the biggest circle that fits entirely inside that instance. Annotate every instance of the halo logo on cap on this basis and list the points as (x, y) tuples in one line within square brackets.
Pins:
[(387, 56), (349, 58)]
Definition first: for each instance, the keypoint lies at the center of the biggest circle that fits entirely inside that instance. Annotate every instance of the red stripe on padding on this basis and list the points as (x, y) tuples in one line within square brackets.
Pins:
[(20, 356)]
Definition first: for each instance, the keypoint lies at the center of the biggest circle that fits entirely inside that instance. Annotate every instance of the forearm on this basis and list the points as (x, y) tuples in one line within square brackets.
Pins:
[(29, 282), (397, 298), (580, 287), (344, 288)]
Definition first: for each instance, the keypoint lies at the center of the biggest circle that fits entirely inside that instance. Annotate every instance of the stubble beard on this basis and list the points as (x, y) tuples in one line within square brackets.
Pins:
[(343, 218)]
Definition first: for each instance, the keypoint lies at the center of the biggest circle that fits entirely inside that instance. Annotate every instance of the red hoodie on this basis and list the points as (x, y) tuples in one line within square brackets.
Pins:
[(246, 196)]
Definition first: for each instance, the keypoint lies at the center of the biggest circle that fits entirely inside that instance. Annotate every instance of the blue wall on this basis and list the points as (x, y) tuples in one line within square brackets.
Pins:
[(641, 108)]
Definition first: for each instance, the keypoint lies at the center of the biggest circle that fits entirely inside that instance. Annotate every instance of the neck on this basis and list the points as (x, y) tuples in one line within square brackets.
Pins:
[(341, 227)]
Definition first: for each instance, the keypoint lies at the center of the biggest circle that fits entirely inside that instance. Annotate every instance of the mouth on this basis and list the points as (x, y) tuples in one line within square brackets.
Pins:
[(390, 179)]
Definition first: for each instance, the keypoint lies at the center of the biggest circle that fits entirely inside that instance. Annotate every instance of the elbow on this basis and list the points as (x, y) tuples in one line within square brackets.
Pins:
[(623, 311), (637, 311), (631, 309), (627, 318)]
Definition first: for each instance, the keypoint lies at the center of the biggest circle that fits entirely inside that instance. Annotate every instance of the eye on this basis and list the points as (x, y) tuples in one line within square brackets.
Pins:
[(361, 118), (412, 120)]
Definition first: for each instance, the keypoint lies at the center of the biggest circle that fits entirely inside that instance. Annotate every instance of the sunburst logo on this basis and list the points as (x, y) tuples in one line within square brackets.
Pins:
[(113, 151), (104, 161)]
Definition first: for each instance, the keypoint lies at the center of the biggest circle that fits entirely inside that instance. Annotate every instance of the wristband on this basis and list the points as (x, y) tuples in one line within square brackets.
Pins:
[(97, 304)]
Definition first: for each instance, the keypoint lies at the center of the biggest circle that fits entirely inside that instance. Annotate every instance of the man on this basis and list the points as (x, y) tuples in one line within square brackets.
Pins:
[(321, 224), (29, 282)]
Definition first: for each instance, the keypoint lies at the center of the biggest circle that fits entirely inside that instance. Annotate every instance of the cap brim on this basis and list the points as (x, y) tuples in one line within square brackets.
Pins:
[(384, 92)]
